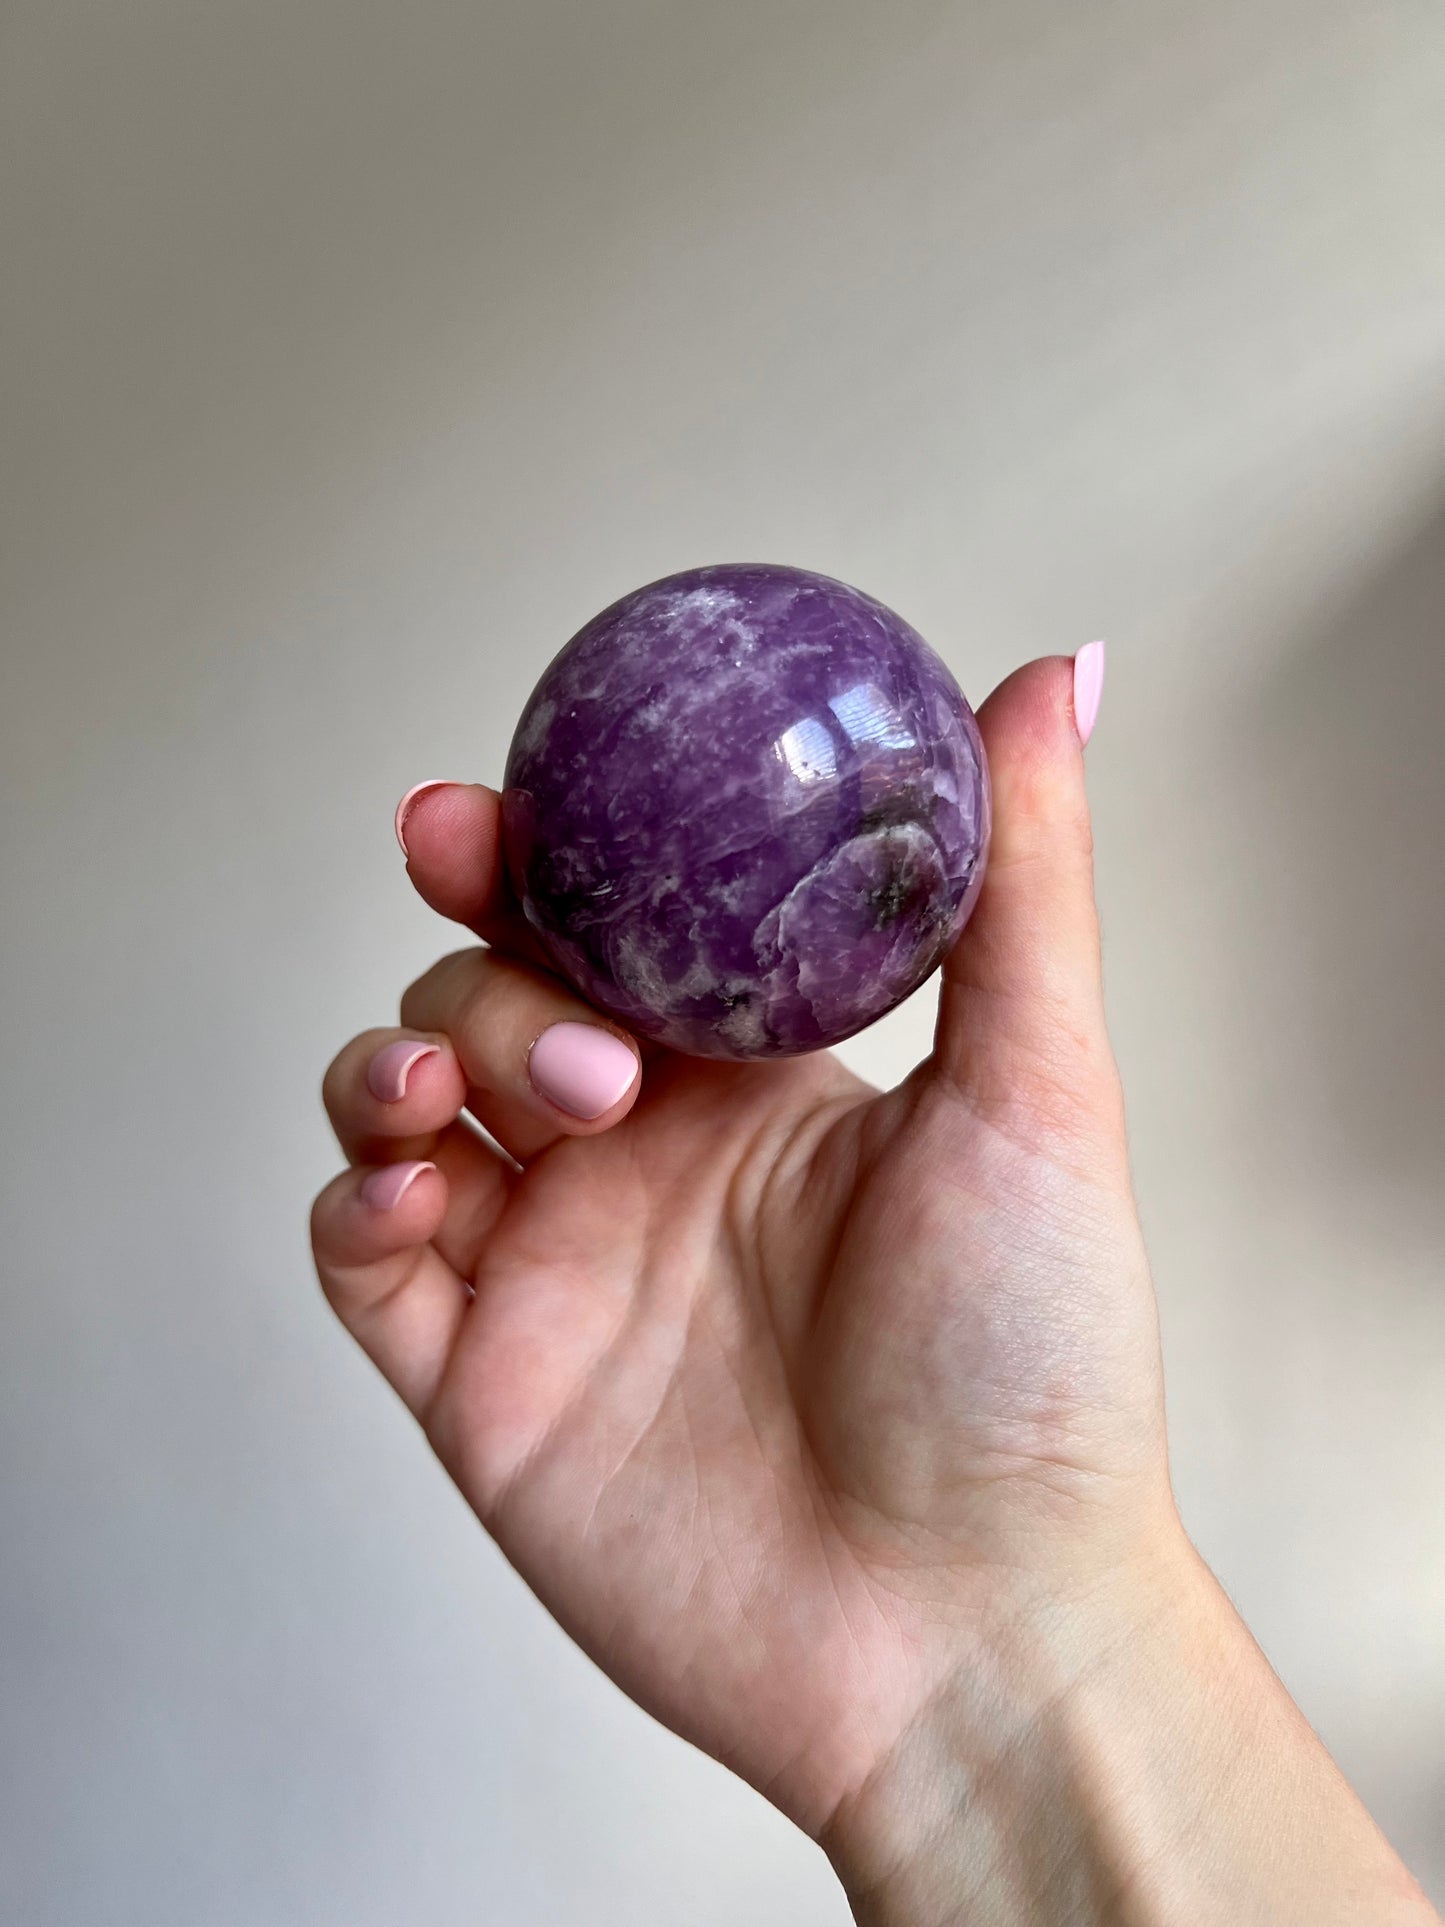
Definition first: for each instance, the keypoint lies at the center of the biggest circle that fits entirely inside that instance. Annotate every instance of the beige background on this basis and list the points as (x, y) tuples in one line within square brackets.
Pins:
[(354, 354)]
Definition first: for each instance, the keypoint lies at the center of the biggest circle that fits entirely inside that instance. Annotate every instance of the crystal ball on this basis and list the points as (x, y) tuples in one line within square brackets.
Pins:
[(746, 811)]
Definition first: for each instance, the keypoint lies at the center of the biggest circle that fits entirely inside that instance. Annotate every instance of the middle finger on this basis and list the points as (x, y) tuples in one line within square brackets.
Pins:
[(539, 1063)]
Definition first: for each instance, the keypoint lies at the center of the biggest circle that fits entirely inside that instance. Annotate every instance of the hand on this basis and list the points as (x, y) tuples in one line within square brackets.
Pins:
[(828, 1421)]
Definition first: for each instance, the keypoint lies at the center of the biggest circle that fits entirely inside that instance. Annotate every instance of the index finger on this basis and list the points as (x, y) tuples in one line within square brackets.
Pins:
[(451, 837)]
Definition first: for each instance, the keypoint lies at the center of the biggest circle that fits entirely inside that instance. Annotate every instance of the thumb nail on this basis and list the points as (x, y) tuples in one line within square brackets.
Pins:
[(1088, 688)]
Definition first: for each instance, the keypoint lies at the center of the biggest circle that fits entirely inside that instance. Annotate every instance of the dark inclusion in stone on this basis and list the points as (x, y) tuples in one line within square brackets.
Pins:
[(746, 811)]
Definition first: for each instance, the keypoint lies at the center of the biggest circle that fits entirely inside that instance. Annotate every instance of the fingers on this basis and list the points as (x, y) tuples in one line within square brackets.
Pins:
[(1021, 1003), (371, 1233), (451, 837), (394, 1097), (539, 1064), (388, 1093)]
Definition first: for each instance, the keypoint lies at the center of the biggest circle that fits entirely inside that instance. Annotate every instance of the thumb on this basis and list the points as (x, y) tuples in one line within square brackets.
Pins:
[(1021, 1004)]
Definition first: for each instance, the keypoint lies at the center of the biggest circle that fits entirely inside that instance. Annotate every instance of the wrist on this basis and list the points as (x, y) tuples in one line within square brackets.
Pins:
[(990, 1810), (1125, 1757)]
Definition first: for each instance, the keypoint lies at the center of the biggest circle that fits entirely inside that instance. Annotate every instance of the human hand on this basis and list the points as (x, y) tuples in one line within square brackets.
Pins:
[(828, 1421)]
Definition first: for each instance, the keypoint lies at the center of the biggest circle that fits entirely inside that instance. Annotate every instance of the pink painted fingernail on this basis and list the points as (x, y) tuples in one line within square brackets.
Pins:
[(433, 783), (581, 1068), (384, 1190), (388, 1071), (1088, 687)]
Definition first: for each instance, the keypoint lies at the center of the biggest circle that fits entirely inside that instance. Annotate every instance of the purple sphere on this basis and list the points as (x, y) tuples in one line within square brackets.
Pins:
[(746, 811)]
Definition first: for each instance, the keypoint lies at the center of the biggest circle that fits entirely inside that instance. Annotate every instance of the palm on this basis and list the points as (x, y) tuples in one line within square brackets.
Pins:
[(698, 1398)]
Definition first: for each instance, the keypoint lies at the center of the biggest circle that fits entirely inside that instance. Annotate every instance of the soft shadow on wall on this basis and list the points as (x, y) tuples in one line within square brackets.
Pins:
[(1326, 1382), (1337, 768)]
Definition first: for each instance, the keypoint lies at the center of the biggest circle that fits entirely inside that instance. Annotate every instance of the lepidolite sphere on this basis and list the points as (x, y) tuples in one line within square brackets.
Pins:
[(746, 811)]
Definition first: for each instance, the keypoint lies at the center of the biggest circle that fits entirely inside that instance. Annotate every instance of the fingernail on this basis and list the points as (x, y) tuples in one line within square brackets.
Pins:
[(581, 1068), (384, 1190), (1088, 687), (402, 808), (388, 1071)]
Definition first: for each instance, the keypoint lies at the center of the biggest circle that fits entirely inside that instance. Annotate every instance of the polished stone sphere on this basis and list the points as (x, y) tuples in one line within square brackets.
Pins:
[(746, 811)]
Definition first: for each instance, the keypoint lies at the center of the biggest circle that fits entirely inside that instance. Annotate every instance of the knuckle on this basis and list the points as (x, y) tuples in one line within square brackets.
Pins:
[(1081, 829), (437, 987)]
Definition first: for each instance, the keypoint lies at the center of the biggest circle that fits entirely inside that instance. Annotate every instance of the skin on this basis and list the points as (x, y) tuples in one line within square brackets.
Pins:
[(829, 1421)]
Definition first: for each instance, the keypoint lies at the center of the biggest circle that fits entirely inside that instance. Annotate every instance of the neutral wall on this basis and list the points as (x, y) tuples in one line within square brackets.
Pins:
[(353, 355)]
